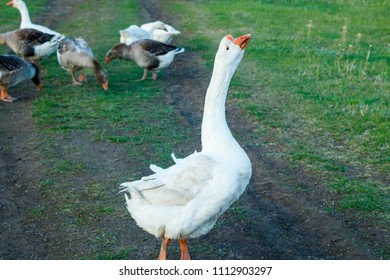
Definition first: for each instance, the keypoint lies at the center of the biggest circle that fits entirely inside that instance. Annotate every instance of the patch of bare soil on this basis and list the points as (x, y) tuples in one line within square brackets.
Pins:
[(280, 215)]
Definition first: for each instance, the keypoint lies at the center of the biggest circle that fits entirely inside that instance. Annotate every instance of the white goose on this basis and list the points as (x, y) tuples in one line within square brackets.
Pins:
[(160, 31), (26, 21), (186, 199), (148, 54), (133, 33), (14, 70)]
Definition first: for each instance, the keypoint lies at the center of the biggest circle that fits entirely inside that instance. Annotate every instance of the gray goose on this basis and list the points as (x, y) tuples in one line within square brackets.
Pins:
[(14, 70), (74, 55), (147, 54), (30, 43)]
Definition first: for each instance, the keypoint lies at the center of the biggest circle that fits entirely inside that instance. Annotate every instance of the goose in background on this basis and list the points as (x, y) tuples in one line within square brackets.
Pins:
[(133, 33), (186, 199), (30, 43), (14, 70), (160, 31), (26, 21), (74, 55), (147, 54), (157, 30)]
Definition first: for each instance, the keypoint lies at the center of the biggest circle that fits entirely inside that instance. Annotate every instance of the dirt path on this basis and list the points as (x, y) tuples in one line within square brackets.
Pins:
[(280, 216)]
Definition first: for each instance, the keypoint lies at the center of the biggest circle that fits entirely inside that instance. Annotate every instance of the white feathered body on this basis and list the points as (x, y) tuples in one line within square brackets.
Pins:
[(156, 30), (186, 199), (151, 26), (133, 33), (165, 35)]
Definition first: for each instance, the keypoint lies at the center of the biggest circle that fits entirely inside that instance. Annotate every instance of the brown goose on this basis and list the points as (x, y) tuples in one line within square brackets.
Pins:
[(75, 55), (14, 70), (30, 43), (148, 54)]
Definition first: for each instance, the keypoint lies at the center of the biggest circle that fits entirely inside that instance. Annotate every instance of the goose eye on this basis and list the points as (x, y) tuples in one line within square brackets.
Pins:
[(227, 48)]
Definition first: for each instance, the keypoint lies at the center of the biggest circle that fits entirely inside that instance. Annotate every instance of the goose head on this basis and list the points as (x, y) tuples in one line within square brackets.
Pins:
[(16, 3), (115, 52), (231, 50), (101, 77), (159, 25)]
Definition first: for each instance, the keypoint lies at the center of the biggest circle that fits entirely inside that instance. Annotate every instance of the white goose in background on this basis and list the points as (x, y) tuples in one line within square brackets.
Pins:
[(14, 70), (133, 33), (156, 30), (160, 31), (26, 21), (148, 54), (186, 199)]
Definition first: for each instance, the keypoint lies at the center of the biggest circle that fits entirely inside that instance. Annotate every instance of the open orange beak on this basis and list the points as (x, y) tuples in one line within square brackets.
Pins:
[(105, 85), (10, 3), (107, 60), (241, 41), (39, 86)]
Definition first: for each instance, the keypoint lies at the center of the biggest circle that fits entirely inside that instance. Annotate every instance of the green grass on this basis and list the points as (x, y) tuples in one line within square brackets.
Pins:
[(10, 17), (114, 255), (313, 86), (126, 113), (129, 114), (315, 79)]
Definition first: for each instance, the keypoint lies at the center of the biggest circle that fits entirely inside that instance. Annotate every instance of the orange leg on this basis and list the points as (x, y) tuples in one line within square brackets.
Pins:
[(5, 96), (74, 81), (144, 76), (164, 247), (184, 250), (82, 78), (154, 77)]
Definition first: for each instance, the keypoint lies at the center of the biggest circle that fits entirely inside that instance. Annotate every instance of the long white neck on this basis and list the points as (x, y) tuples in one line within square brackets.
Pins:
[(216, 136), (24, 14)]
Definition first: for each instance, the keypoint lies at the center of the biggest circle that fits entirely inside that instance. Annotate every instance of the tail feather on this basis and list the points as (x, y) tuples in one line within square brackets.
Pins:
[(146, 183), (179, 50), (56, 39), (155, 168)]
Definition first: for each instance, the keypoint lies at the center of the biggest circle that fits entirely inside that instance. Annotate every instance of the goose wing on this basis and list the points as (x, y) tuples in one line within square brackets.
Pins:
[(156, 48), (33, 36), (10, 63), (81, 59), (82, 46), (74, 48), (176, 185)]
